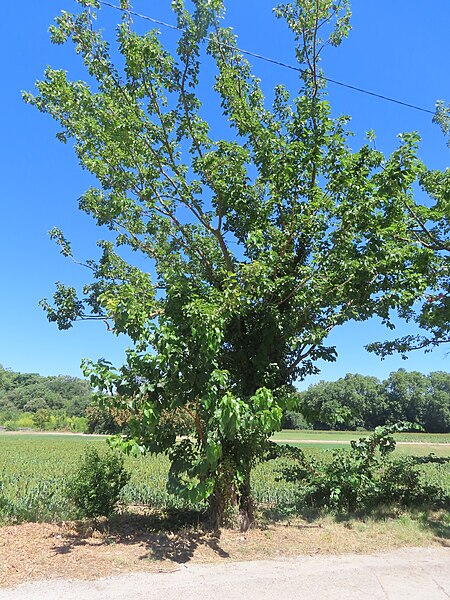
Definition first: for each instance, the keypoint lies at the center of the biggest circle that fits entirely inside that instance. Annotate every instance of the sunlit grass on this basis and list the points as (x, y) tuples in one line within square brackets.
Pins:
[(344, 437)]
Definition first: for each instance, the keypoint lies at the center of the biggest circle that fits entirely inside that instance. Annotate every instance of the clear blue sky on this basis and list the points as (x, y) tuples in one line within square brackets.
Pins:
[(399, 49)]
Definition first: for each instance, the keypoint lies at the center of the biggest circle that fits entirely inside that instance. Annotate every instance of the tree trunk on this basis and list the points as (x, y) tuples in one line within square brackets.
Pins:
[(217, 508), (231, 506), (246, 506)]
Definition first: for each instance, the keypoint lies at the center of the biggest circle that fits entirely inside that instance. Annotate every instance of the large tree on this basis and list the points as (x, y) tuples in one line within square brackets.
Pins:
[(429, 214), (256, 243)]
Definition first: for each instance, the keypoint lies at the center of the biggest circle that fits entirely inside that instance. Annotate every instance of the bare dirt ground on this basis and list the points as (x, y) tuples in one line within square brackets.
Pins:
[(130, 543)]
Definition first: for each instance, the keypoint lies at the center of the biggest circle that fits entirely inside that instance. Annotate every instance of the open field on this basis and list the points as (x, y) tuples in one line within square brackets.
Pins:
[(34, 470), (408, 444), (344, 437), (403, 448)]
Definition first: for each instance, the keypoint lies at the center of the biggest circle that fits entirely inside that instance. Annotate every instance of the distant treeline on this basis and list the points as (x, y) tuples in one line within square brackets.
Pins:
[(359, 401), (60, 402), (355, 401), (29, 392)]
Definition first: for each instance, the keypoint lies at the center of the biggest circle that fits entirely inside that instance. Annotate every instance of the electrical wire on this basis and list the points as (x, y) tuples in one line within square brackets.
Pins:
[(277, 62), (136, 14)]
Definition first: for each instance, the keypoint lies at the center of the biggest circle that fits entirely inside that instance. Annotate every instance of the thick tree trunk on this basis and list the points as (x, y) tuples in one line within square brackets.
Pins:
[(246, 506), (218, 509), (231, 506)]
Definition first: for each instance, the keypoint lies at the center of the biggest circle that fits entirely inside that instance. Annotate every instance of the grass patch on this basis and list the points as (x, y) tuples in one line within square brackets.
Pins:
[(344, 437)]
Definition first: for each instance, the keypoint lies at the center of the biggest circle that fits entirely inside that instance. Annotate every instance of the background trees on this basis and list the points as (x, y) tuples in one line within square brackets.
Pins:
[(30, 392), (354, 401), (362, 401), (55, 403), (253, 245)]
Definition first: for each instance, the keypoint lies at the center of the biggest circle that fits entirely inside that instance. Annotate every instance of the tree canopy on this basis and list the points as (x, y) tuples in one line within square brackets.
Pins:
[(253, 245), (363, 401), (31, 392), (430, 229)]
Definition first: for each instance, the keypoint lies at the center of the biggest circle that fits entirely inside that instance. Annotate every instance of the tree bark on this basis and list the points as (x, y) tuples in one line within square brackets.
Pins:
[(246, 506), (231, 506)]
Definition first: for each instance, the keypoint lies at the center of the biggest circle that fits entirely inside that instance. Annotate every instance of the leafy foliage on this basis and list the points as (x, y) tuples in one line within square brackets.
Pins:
[(257, 243), (31, 392), (362, 401), (95, 488), (429, 229), (363, 478), (295, 420)]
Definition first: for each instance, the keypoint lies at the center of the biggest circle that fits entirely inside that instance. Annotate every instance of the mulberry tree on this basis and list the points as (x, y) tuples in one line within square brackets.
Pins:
[(253, 245)]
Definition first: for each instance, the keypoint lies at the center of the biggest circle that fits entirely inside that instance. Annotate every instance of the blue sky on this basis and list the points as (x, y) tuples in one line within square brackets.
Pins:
[(398, 49)]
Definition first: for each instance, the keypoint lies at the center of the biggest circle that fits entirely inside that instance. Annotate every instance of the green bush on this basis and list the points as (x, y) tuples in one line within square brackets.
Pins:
[(101, 420), (402, 482), (96, 486), (24, 421), (77, 424), (10, 425), (41, 419), (294, 420), (362, 478), (8, 414)]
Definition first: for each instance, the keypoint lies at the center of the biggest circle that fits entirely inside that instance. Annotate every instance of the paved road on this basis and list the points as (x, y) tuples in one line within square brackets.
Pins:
[(408, 574)]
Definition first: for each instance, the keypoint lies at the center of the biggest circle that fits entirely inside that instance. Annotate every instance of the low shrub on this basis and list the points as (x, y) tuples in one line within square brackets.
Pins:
[(362, 478), (96, 486)]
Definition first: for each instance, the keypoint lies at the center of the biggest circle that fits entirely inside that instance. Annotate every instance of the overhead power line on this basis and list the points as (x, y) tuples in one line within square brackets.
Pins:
[(136, 14), (279, 63)]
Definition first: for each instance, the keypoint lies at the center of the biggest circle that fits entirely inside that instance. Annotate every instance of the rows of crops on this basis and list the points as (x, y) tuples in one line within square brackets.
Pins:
[(34, 470)]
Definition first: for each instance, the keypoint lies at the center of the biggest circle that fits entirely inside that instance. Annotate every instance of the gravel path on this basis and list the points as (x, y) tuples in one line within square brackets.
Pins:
[(407, 574)]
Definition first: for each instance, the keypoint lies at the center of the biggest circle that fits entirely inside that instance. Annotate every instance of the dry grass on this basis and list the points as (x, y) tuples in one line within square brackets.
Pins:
[(128, 543)]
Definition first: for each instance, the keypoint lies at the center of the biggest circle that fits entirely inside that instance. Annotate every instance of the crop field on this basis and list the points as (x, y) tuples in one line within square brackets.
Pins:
[(34, 470)]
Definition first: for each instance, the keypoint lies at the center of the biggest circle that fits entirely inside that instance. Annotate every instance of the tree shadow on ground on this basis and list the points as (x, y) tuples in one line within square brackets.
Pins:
[(286, 513), (171, 536), (440, 530), (436, 522)]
